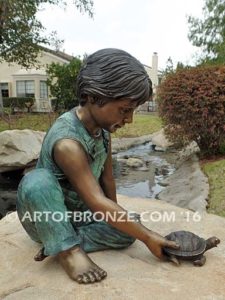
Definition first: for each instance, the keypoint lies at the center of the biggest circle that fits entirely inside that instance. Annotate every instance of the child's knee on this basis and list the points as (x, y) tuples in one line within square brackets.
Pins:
[(34, 184), (36, 181)]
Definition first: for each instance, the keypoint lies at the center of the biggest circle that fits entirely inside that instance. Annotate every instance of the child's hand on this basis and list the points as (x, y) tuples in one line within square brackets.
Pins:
[(156, 243)]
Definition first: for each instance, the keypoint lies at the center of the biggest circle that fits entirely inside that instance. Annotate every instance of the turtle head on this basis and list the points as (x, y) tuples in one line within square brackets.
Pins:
[(212, 242)]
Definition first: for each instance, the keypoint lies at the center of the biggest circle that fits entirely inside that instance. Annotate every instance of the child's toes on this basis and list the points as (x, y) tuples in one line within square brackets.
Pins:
[(86, 278), (79, 278), (97, 275), (91, 276), (103, 273)]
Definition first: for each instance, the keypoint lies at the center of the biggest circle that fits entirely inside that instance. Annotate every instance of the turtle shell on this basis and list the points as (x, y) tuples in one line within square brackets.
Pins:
[(190, 244)]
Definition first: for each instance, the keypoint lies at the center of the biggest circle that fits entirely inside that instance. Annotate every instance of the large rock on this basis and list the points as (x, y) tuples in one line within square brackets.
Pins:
[(187, 186), (160, 142), (134, 162), (133, 273), (186, 153), (19, 148), (119, 144)]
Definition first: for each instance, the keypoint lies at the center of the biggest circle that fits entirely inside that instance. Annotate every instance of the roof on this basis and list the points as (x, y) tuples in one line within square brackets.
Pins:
[(147, 66), (59, 54)]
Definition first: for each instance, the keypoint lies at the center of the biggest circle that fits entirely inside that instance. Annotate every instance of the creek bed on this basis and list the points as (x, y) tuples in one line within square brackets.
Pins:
[(144, 181)]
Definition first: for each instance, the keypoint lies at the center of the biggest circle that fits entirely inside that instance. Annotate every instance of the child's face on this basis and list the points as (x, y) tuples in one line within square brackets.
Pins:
[(114, 114)]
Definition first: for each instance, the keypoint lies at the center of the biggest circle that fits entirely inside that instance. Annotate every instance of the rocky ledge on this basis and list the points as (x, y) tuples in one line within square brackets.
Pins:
[(133, 273)]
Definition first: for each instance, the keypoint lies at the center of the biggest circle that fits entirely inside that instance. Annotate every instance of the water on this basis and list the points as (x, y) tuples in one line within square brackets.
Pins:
[(144, 181)]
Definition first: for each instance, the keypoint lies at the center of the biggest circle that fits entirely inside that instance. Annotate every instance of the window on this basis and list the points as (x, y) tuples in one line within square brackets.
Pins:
[(25, 88), (43, 90), (5, 89)]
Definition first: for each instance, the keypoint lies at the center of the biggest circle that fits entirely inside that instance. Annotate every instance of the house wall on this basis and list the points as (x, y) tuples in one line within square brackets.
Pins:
[(154, 76), (6, 72), (10, 73), (48, 58), (153, 71)]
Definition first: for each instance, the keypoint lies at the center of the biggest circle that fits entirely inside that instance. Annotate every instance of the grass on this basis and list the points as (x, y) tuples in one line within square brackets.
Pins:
[(142, 124), (33, 121), (215, 170)]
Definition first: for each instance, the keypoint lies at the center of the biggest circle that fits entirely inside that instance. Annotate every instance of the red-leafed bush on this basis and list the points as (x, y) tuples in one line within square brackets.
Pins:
[(192, 105)]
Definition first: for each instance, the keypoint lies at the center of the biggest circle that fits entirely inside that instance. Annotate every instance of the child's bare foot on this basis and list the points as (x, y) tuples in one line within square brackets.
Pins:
[(79, 266), (40, 255)]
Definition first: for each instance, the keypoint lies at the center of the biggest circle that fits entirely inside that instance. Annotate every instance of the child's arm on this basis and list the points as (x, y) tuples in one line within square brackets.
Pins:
[(72, 159), (107, 181)]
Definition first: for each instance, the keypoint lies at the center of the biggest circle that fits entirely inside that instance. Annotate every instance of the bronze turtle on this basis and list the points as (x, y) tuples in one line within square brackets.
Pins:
[(192, 247)]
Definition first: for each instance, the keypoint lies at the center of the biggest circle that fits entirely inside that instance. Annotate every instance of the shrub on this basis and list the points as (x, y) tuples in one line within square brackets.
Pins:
[(192, 106), (18, 102), (62, 83)]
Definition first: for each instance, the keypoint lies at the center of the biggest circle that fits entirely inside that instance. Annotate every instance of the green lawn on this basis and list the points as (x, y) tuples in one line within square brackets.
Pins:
[(28, 121), (215, 171), (142, 124)]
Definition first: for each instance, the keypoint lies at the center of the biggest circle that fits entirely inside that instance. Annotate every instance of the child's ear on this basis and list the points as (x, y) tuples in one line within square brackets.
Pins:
[(91, 99), (95, 100)]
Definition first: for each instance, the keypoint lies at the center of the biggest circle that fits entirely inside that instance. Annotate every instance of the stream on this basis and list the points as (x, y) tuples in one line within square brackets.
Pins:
[(144, 181)]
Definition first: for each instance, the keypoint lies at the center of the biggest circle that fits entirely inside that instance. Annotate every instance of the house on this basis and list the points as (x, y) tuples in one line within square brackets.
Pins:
[(155, 78), (16, 81)]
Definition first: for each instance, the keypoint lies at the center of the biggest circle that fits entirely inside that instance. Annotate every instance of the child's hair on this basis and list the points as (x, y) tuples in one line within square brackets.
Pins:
[(110, 74)]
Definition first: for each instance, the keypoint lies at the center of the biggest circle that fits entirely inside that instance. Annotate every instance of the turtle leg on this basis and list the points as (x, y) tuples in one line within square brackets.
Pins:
[(200, 262), (174, 260)]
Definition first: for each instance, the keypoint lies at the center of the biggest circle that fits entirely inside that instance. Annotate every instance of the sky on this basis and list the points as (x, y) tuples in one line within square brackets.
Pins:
[(139, 27)]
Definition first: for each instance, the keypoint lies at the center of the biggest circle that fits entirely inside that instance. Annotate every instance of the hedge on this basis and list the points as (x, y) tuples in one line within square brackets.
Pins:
[(192, 106), (18, 102)]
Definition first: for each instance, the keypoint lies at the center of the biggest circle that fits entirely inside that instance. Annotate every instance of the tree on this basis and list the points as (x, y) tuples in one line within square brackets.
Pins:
[(180, 66), (21, 34), (169, 67), (209, 33), (55, 43), (62, 83)]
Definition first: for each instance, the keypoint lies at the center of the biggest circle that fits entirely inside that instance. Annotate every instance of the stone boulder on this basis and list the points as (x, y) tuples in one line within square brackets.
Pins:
[(120, 144), (133, 273), (160, 142), (186, 153), (187, 186), (19, 148), (134, 162)]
